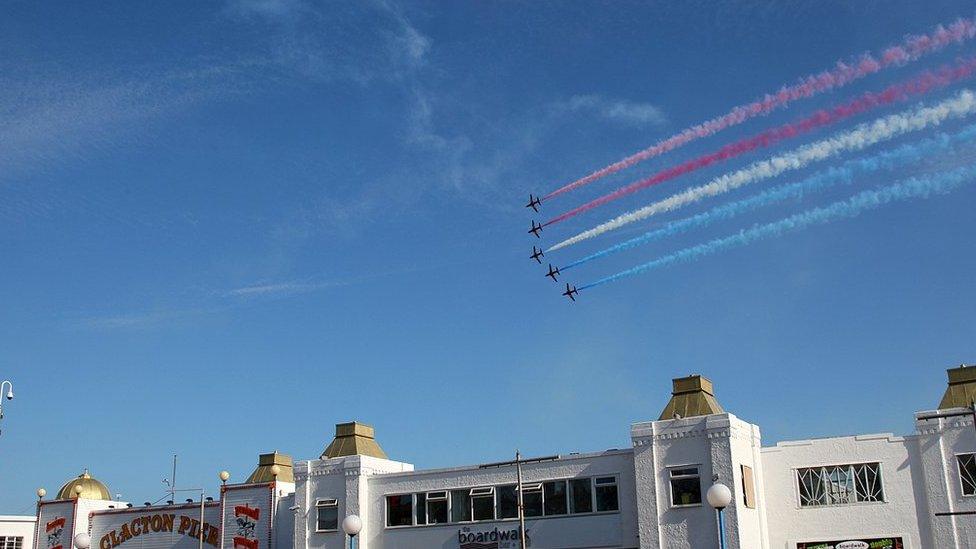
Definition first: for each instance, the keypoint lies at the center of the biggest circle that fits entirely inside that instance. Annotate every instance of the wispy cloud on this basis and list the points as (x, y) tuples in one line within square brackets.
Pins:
[(619, 111), (279, 289), (363, 42)]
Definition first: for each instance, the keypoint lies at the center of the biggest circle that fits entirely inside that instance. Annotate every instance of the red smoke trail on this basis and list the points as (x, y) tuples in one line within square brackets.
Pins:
[(897, 92), (911, 49)]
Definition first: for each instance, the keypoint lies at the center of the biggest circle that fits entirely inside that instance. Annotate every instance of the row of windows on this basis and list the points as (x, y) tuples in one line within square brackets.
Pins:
[(550, 498), (11, 542)]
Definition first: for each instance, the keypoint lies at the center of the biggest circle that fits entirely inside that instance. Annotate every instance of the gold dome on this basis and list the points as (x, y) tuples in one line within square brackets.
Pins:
[(90, 488)]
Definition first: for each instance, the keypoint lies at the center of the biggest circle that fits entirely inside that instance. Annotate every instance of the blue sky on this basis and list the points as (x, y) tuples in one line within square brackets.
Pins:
[(227, 226)]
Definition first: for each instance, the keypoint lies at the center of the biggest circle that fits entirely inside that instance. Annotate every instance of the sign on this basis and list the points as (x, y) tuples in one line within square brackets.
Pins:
[(874, 543), (169, 527), (247, 516), (55, 532), (490, 539), (160, 522)]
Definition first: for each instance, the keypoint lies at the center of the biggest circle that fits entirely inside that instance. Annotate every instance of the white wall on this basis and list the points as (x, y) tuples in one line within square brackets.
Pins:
[(717, 444), (614, 529), (938, 485), (19, 526), (896, 516)]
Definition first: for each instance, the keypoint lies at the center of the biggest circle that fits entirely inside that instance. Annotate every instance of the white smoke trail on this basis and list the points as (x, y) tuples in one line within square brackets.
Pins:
[(915, 187), (864, 135)]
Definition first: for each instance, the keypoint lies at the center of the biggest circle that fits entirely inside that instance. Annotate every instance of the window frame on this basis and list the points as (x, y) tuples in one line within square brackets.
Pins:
[(487, 491), (446, 498), (962, 486), (748, 488), (884, 493), (322, 503), (596, 486), (386, 510), (17, 543), (671, 477)]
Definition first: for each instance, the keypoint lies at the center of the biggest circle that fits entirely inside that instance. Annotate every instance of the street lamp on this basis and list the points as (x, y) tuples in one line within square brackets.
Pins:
[(719, 496), (352, 525), (82, 540), (224, 475), (9, 395)]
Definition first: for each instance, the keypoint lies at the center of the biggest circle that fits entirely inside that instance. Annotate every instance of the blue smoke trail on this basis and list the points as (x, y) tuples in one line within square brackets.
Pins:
[(900, 156), (915, 187)]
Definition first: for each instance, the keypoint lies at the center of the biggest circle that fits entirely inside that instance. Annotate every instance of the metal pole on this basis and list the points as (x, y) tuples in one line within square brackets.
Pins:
[(721, 529), (521, 506), (352, 542), (201, 519)]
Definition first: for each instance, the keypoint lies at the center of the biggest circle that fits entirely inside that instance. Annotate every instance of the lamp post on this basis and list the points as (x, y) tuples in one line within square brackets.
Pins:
[(719, 496), (352, 525), (9, 395)]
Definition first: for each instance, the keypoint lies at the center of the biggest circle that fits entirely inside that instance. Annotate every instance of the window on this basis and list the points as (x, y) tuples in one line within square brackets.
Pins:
[(581, 495), (11, 542), (461, 505), (483, 503), (967, 473), (326, 515), (421, 508), (748, 488), (532, 499), (555, 497), (840, 484), (606, 493), (685, 486), (399, 510), (436, 507), (507, 501)]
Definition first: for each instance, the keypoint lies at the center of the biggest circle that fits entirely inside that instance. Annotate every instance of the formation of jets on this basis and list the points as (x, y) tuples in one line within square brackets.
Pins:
[(537, 253)]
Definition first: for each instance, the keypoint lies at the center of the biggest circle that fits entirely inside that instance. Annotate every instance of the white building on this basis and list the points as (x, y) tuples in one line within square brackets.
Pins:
[(17, 532), (852, 492)]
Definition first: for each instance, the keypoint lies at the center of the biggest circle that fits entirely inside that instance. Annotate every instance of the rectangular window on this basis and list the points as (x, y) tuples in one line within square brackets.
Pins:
[(461, 505), (581, 495), (532, 499), (11, 542), (967, 473), (685, 486), (840, 484), (326, 515), (483, 503), (399, 510), (555, 496), (748, 488), (436, 507), (507, 501), (606, 493)]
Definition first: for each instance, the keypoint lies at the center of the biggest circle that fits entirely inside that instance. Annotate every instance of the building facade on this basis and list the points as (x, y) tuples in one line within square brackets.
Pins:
[(852, 492)]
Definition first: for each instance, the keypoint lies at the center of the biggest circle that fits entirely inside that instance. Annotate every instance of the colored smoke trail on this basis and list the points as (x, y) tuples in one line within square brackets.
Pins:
[(895, 158), (842, 74), (915, 187), (902, 91), (862, 136)]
